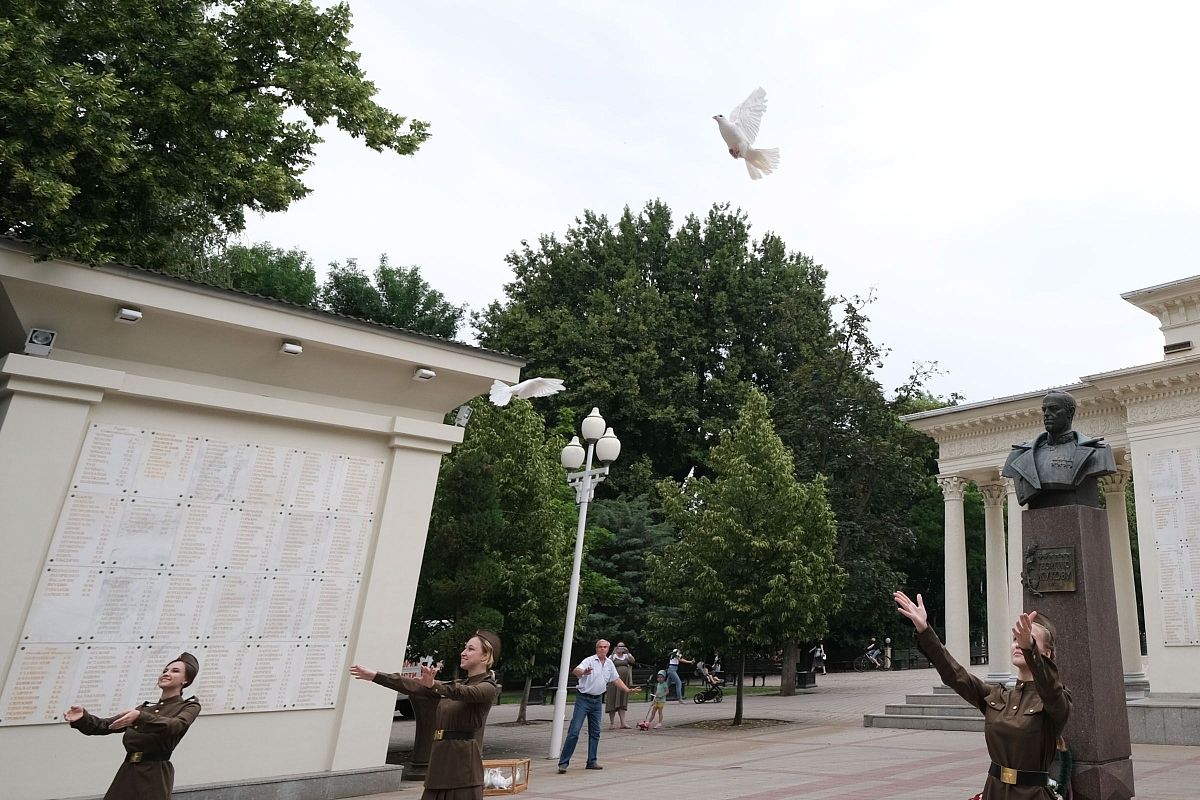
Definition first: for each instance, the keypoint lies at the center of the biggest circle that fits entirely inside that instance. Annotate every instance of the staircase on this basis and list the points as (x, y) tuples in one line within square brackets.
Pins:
[(942, 710)]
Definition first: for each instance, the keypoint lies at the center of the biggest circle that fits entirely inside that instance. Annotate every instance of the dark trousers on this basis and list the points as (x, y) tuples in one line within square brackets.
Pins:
[(588, 708)]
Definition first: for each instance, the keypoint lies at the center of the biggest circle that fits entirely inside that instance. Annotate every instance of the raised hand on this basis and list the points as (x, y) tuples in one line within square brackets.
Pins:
[(914, 611), (74, 713), (1023, 630), (427, 675), (362, 673), (125, 720)]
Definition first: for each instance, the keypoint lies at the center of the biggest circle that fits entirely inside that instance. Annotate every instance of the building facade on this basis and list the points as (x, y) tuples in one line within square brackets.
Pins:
[(189, 468), (1150, 415)]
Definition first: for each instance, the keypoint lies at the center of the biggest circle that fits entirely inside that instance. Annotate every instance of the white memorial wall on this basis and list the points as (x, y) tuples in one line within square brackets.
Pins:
[(249, 555), (1175, 497)]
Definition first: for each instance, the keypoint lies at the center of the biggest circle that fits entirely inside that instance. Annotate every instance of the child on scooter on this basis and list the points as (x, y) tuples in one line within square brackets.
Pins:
[(658, 702)]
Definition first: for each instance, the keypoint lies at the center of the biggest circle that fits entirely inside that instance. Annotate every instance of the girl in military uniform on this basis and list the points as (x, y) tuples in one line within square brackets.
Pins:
[(456, 759), (1022, 724), (151, 733)]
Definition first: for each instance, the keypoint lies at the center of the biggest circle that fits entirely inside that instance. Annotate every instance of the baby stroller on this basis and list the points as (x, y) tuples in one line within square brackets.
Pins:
[(711, 689)]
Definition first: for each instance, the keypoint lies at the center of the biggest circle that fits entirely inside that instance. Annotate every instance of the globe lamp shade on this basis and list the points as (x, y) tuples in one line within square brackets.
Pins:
[(593, 426), (572, 455), (608, 448)]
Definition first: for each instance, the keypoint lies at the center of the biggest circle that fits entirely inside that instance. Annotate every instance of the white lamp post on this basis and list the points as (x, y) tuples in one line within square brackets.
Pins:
[(605, 446)]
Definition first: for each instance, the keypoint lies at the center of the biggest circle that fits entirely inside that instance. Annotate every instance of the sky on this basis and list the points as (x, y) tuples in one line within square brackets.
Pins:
[(997, 175)]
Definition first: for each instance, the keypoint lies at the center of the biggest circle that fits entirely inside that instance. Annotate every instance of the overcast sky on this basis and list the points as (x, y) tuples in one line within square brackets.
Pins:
[(998, 173)]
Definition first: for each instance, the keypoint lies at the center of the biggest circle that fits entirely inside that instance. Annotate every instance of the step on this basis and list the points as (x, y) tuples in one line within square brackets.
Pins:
[(921, 722), (935, 700), (932, 710)]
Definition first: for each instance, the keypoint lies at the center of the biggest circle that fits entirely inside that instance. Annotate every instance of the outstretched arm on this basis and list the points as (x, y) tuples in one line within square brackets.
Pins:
[(964, 684), (1055, 699), (88, 724)]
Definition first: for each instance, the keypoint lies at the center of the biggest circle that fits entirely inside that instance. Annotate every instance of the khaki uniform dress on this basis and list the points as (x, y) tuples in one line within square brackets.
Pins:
[(1021, 725), (455, 765), (147, 774)]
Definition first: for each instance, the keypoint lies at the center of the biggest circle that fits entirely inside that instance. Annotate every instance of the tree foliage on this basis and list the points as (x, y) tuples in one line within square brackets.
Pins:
[(142, 132), (623, 532), (498, 553), (754, 566), (286, 275), (663, 327), (397, 296)]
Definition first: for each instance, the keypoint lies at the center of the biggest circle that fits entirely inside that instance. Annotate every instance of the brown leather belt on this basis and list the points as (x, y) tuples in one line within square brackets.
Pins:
[(1018, 777), (438, 735), (137, 757)]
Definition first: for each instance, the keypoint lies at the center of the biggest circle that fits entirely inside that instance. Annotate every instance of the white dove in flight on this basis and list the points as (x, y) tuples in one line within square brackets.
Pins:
[(740, 131), (502, 393)]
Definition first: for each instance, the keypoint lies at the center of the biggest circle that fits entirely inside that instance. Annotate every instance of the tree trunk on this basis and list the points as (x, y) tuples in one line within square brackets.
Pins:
[(524, 699), (737, 713), (787, 679)]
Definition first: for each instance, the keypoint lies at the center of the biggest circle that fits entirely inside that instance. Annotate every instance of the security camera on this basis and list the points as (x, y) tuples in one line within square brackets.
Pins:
[(291, 348), (128, 316), (463, 415), (424, 374), (39, 342)]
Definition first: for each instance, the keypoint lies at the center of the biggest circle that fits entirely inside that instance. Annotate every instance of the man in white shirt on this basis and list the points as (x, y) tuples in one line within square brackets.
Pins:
[(595, 673)]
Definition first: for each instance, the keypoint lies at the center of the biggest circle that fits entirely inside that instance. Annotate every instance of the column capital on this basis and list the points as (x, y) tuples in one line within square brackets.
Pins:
[(1116, 482), (952, 486), (993, 493)]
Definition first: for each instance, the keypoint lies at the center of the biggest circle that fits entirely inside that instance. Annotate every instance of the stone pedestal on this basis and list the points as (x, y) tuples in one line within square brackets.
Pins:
[(1088, 651)]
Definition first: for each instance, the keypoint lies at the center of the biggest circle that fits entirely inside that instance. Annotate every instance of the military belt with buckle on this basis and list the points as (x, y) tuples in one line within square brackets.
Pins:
[(1018, 777), (438, 735), (137, 757)]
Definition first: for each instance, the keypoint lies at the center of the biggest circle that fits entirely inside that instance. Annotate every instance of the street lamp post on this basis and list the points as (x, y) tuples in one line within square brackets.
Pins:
[(604, 445)]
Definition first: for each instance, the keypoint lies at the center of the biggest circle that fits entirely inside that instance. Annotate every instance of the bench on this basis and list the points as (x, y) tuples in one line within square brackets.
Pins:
[(760, 668)]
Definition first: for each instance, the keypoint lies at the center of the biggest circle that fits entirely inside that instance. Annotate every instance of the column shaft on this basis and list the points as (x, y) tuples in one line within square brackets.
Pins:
[(998, 620), (1016, 513), (1113, 487), (958, 640)]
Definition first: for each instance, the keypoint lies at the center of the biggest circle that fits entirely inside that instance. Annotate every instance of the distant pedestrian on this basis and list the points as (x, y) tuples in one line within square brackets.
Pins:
[(594, 673), (676, 658), (818, 657), (616, 702)]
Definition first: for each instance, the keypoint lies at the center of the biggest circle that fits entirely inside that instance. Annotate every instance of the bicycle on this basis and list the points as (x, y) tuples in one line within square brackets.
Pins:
[(863, 663)]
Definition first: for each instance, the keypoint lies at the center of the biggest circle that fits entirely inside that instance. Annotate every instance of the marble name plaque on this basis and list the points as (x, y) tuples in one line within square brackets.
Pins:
[(1049, 569)]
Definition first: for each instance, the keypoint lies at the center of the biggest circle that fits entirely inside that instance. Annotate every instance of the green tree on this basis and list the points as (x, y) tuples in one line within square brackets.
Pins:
[(142, 132), (397, 296), (286, 275), (498, 551), (754, 566), (663, 327), (626, 531), (660, 328)]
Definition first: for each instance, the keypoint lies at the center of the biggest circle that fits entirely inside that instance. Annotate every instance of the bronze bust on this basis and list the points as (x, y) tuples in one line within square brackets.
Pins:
[(1060, 466)]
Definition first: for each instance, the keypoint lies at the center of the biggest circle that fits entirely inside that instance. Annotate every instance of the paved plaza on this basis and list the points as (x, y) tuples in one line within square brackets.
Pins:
[(821, 751)]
